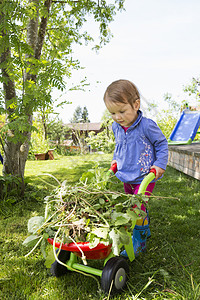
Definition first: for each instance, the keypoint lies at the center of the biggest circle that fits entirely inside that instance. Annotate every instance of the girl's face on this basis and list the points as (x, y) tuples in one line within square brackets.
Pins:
[(123, 113)]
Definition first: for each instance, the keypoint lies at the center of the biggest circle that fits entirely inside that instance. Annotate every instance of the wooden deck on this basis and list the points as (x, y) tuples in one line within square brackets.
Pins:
[(185, 158)]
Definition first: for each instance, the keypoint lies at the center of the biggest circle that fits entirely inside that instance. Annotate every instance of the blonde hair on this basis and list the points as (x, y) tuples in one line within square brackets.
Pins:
[(123, 91)]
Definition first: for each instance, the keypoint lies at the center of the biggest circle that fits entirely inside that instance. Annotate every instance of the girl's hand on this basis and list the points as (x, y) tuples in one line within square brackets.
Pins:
[(159, 171), (113, 162)]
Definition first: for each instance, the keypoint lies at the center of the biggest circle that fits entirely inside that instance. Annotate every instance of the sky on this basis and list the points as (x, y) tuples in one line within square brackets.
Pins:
[(156, 45)]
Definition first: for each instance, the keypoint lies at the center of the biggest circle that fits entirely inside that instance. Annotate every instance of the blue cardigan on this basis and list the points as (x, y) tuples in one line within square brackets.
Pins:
[(137, 149)]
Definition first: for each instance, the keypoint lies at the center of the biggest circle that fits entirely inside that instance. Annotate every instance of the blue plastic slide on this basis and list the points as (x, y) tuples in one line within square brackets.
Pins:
[(186, 128)]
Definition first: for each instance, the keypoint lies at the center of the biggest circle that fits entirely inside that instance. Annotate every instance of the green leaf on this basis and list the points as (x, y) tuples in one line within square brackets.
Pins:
[(94, 241), (118, 207), (129, 248), (31, 240), (132, 214), (87, 176), (35, 223), (97, 206), (50, 232), (115, 238), (49, 258), (120, 218), (102, 201), (100, 232), (43, 247), (123, 236), (121, 221), (115, 196)]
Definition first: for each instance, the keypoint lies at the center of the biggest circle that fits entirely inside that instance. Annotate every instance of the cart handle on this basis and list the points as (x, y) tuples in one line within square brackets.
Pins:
[(113, 169), (145, 182)]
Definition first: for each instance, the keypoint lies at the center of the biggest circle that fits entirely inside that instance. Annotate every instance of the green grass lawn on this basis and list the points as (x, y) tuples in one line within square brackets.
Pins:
[(171, 264)]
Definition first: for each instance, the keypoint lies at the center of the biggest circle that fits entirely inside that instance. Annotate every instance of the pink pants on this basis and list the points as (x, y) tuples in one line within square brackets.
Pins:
[(133, 190)]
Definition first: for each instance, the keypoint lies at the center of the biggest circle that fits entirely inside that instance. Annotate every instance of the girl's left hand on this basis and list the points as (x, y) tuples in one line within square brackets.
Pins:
[(159, 171)]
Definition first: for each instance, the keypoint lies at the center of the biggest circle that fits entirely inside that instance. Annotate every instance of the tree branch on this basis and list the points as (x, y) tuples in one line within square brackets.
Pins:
[(42, 30)]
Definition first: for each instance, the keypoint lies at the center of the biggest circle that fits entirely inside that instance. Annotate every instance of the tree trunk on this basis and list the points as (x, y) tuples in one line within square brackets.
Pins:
[(32, 35), (35, 39), (44, 123), (16, 154), (11, 155)]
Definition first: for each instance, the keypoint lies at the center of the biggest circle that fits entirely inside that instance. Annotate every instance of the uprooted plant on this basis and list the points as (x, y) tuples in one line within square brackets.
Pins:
[(87, 212)]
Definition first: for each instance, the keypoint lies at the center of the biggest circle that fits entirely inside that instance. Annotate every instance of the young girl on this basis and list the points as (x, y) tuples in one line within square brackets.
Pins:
[(140, 144)]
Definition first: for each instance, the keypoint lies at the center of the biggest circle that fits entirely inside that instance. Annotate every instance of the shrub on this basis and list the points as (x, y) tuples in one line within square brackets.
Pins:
[(101, 141)]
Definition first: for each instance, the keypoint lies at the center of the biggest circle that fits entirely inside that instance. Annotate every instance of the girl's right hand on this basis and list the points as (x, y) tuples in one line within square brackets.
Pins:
[(159, 171)]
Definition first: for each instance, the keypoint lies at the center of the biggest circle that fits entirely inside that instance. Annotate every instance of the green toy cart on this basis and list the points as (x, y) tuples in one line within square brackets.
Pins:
[(115, 268)]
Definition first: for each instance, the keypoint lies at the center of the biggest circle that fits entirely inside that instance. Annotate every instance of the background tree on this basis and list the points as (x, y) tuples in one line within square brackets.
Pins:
[(56, 130), (38, 143), (104, 140), (77, 115), (193, 89), (167, 117), (85, 115), (80, 115), (36, 41)]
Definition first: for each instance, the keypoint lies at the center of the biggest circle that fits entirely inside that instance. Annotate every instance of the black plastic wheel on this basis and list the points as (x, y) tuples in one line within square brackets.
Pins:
[(58, 269), (114, 275)]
